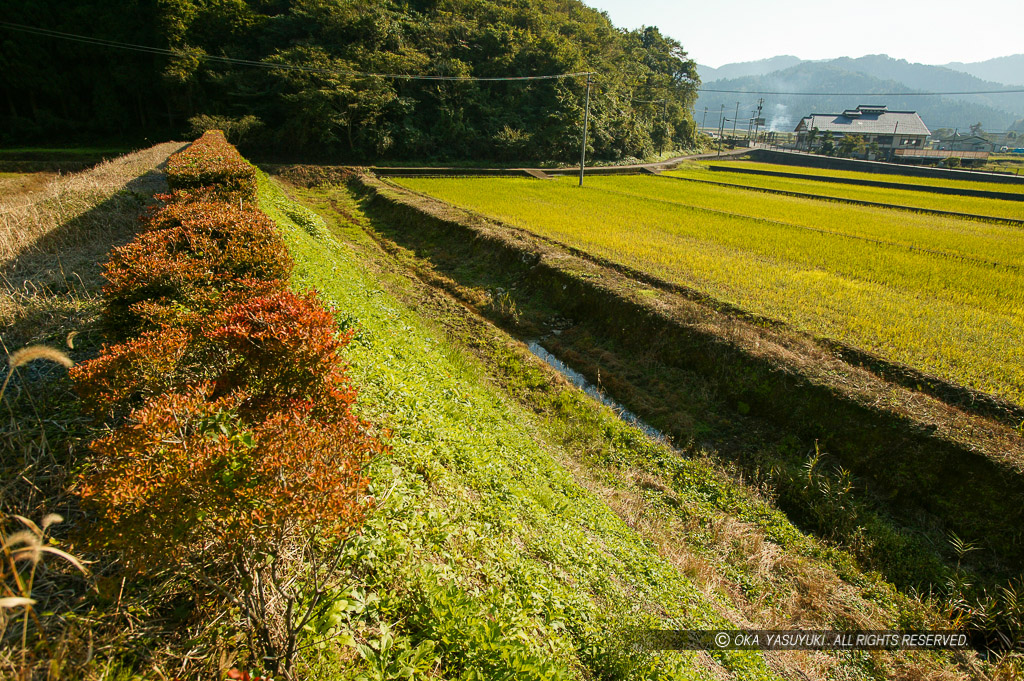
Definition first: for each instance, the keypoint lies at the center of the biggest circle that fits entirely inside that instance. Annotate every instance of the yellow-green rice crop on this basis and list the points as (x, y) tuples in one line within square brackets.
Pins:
[(1007, 187), (997, 208), (940, 294), (969, 239)]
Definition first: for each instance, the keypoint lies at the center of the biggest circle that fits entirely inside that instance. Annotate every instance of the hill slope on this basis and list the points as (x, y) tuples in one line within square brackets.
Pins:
[(747, 68), (334, 109), (1005, 70)]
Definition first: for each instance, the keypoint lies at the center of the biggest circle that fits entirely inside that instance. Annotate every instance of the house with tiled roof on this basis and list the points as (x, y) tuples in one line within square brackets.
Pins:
[(879, 128), (957, 142)]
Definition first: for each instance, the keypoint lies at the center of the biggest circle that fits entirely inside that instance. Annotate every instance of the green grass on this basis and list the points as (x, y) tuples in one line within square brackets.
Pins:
[(485, 553), (961, 204), (877, 177), (943, 295), (495, 539)]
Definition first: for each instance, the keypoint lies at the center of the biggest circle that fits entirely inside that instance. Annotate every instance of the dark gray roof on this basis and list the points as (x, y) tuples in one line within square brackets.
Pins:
[(867, 120), (965, 138)]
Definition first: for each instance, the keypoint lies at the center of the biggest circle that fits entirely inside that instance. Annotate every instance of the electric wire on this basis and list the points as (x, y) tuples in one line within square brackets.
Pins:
[(276, 65), (50, 33)]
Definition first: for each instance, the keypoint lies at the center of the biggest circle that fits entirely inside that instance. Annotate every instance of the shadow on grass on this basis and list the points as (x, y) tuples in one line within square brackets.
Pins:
[(51, 296), (50, 287)]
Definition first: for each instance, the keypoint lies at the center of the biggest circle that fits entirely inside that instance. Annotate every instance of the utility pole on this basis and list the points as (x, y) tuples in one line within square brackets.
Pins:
[(757, 119), (704, 120), (737, 115), (586, 122), (664, 122)]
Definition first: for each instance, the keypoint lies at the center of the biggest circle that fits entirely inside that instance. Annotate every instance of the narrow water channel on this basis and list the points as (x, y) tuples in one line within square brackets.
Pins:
[(577, 379)]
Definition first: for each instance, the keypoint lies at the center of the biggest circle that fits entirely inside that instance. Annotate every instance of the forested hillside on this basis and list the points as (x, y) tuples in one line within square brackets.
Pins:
[(56, 88)]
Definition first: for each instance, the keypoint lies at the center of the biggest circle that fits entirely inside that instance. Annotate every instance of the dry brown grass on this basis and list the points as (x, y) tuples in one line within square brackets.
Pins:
[(53, 240), (16, 184), (25, 220)]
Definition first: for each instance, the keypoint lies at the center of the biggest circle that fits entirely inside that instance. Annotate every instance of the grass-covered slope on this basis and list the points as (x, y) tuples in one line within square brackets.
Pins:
[(483, 544), (523, 531)]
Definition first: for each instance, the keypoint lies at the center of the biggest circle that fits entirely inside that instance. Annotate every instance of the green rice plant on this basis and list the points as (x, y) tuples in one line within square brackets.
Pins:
[(967, 239), (979, 183), (945, 296), (995, 208)]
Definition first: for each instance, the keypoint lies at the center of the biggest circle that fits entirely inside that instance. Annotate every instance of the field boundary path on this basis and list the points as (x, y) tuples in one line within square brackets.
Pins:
[(789, 157), (546, 173)]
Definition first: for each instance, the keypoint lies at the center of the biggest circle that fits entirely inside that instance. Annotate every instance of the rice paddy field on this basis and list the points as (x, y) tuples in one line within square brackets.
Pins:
[(812, 173), (943, 295), (993, 208)]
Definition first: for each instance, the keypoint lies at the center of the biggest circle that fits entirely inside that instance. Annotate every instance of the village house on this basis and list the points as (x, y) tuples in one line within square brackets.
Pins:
[(956, 142), (884, 132)]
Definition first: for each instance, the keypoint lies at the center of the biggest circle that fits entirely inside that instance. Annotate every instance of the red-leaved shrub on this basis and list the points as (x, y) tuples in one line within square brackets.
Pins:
[(189, 253), (280, 348), (187, 474), (235, 452), (211, 163)]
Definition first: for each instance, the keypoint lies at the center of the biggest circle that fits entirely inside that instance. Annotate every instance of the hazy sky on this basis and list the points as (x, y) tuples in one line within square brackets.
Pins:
[(925, 31)]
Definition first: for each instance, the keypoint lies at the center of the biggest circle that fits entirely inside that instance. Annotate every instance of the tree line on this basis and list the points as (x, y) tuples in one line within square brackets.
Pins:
[(58, 90)]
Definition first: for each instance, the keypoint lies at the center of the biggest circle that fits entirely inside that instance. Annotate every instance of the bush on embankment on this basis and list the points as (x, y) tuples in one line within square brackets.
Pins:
[(212, 164), (233, 457)]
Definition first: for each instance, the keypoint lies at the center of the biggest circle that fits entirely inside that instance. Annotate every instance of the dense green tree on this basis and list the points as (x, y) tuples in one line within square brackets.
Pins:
[(851, 145), (642, 99)]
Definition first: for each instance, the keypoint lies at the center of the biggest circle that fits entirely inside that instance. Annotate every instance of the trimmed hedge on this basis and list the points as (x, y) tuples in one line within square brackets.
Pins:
[(189, 254), (212, 164), (229, 407)]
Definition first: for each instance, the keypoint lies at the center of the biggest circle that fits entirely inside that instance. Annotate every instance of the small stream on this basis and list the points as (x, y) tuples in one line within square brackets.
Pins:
[(577, 379)]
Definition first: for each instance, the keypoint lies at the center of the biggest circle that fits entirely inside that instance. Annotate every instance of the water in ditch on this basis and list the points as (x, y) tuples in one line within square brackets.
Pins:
[(577, 379)]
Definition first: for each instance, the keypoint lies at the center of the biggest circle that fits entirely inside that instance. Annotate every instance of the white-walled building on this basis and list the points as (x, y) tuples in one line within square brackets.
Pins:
[(889, 130)]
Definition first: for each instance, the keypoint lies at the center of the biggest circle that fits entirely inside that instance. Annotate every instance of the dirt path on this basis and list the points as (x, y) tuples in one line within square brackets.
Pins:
[(547, 173)]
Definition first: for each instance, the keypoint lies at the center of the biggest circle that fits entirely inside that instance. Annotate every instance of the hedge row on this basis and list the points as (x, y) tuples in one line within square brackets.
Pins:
[(227, 399), (211, 164)]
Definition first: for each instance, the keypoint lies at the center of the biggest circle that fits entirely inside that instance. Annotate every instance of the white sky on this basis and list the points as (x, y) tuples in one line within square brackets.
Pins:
[(717, 32)]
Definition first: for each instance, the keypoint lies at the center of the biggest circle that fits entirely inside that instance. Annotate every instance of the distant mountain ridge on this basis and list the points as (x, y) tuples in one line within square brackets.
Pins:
[(1005, 70), (747, 68), (897, 79)]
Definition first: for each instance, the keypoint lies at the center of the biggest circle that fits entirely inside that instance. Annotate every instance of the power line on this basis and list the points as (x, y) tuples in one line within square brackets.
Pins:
[(49, 33)]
